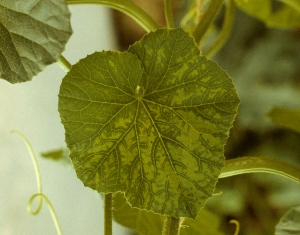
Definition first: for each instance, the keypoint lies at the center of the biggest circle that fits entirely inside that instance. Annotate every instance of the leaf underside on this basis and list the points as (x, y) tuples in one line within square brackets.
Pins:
[(33, 35), (150, 122)]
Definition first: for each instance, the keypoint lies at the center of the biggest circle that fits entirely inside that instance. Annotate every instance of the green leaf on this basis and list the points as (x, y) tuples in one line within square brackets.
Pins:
[(289, 223), (151, 123), (288, 118), (286, 16), (33, 35), (148, 223)]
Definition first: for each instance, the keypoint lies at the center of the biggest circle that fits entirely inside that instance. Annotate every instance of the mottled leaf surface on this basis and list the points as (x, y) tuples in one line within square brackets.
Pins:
[(273, 13), (150, 122), (33, 34)]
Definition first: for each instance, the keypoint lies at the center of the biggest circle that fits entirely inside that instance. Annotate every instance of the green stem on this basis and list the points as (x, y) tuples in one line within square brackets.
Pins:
[(169, 14), (226, 29), (108, 214), (172, 226), (64, 63), (127, 7), (207, 19), (253, 164)]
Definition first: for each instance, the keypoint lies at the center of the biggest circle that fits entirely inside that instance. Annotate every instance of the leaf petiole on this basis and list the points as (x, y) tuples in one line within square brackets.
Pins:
[(207, 19), (127, 7), (64, 63), (172, 225), (255, 164), (225, 31), (108, 214), (169, 13)]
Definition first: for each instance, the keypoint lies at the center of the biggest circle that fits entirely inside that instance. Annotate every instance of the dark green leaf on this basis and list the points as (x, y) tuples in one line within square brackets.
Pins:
[(33, 35), (288, 118), (151, 123), (289, 223), (281, 16)]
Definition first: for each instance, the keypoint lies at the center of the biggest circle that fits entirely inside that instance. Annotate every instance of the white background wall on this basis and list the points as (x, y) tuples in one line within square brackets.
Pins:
[(32, 109)]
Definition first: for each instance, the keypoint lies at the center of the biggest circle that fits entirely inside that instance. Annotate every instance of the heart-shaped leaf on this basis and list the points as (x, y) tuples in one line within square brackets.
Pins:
[(151, 123), (33, 35)]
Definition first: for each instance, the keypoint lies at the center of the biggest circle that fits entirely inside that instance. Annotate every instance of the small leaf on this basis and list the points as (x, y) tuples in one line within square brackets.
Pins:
[(61, 155), (148, 223), (151, 123), (33, 35), (289, 223), (285, 16), (288, 118)]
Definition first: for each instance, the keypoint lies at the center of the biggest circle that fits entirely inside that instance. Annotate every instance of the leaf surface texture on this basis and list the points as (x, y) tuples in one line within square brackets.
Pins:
[(33, 34), (150, 122)]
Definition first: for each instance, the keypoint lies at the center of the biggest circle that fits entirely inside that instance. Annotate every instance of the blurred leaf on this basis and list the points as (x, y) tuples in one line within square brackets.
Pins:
[(190, 16), (151, 123), (289, 224), (61, 155), (33, 35), (149, 223), (283, 17), (288, 118)]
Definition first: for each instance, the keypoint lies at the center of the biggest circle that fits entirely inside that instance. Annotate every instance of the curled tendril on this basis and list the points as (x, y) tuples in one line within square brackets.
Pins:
[(237, 230), (51, 209), (39, 183)]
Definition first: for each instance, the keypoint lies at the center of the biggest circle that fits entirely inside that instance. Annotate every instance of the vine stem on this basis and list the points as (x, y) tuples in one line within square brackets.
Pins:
[(255, 164), (225, 31), (207, 19), (172, 225), (169, 13), (108, 214), (127, 7)]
